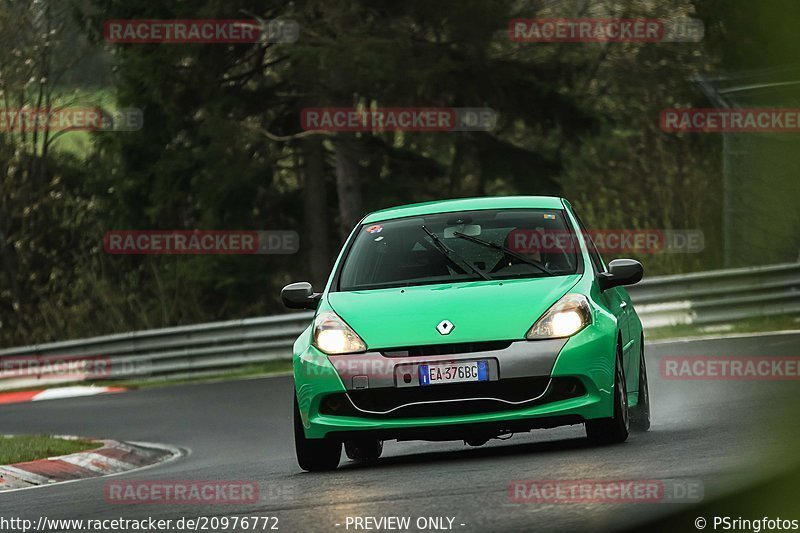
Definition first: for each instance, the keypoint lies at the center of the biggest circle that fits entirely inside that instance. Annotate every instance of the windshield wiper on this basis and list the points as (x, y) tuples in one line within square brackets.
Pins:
[(450, 254), (506, 251)]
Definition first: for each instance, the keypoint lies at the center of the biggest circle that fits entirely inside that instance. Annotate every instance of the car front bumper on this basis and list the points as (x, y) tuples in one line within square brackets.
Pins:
[(532, 384)]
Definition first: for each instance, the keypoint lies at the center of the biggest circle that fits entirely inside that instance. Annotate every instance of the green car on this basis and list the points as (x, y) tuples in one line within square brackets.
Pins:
[(466, 320)]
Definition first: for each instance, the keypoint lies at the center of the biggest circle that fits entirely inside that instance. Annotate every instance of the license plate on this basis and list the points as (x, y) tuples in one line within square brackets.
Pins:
[(462, 372)]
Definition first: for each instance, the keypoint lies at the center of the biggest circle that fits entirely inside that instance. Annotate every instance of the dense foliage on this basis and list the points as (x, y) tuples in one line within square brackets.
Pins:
[(220, 147)]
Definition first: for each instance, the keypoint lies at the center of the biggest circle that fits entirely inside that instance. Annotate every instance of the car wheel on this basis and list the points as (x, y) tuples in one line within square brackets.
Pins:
[(615, 429), (314, 455), (363, 450), (640, 415)]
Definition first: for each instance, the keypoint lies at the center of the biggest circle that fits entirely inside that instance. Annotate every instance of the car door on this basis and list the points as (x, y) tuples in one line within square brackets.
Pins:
[(634, 327)]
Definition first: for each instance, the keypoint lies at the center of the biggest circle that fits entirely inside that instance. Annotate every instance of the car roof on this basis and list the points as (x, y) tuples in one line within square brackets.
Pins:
[(466, 204)]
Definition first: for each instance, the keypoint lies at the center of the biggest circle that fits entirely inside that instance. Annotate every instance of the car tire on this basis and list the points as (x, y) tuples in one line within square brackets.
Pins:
[(314, 455), (640, 415), (363, 450), (615, 429)]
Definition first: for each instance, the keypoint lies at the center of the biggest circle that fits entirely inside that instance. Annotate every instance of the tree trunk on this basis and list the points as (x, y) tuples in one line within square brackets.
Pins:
[(348, 185), (315, 211)]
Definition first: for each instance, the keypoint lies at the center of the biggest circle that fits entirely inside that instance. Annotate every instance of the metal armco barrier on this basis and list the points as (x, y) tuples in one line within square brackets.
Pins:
[(718, 295), (699, 298), (186, 349)]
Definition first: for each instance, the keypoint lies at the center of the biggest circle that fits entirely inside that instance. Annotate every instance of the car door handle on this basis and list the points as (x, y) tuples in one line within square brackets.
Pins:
[(623, 305)]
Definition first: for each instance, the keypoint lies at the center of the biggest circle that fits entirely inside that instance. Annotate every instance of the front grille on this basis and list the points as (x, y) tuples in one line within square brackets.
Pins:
[(511, 390), (446, 349)]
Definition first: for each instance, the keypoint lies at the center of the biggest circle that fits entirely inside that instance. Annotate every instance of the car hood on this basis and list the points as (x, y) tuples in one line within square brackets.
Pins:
[(480, 311)]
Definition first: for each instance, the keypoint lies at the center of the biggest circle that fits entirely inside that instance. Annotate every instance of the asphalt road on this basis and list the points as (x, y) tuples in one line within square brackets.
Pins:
[(723, 433)]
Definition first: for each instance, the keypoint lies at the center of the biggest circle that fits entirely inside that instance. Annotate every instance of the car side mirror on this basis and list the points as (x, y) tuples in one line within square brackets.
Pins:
[(620, 272), (300, 295)]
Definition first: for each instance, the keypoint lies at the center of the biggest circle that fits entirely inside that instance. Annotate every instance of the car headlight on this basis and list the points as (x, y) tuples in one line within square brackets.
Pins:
[(334, 337), (565, 318)]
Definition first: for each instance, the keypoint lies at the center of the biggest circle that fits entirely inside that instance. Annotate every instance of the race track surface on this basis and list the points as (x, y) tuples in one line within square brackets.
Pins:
[(723, 433)]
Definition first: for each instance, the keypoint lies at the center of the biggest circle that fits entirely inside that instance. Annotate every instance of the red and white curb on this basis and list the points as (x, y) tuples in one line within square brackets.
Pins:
[(112, 457), (55, 393)]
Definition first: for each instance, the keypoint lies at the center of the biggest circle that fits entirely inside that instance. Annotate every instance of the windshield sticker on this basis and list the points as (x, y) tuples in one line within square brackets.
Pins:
[(549, 216), (377, 228)]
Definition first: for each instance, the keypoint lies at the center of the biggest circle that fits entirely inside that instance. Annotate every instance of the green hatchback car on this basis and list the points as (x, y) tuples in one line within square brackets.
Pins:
[(466, 320)]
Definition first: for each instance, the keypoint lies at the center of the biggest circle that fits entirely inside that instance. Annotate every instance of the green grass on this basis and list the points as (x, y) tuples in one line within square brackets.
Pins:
[(750, 325), (21, 448), (79, 142)]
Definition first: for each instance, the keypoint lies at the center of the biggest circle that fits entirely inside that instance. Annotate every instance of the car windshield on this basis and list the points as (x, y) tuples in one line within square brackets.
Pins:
[(461, 246)]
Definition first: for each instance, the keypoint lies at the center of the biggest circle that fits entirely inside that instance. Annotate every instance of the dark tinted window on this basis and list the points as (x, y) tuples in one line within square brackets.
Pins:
[(399, 252), (594, 255)]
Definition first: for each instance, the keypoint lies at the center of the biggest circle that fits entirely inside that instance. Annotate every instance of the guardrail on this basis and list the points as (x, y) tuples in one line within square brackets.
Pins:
[(700, 298), (187, 349), (718, 295)]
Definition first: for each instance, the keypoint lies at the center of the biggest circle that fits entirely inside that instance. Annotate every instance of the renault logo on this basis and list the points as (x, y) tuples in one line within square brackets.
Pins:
[(445, 327)]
